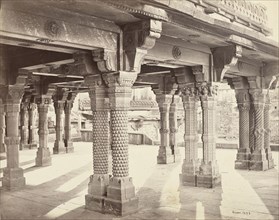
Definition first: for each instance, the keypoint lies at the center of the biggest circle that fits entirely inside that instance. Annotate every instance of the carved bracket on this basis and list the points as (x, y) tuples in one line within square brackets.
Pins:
[(223, 59), (138, 38)]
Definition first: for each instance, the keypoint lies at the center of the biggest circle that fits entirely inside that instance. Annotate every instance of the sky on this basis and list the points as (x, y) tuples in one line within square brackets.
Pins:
[(272, 15)]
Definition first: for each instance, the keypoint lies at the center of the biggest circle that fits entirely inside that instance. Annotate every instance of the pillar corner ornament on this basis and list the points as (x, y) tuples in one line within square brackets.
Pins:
[(224, 58), (138, 38)]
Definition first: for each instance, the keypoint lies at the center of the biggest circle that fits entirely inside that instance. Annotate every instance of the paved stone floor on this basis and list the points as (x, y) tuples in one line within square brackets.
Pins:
[(57, 192)]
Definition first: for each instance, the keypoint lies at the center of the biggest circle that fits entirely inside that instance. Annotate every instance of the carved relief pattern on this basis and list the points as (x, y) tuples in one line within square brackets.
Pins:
[(119, 122), (24, 123), (100, 142), (251, 128), (32, 120), (244, 125), (266, 125), (43, 125), (59, 108)]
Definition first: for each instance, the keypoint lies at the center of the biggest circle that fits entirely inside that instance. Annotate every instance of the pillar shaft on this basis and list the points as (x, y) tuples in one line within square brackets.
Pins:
[(13, 175), (165, 155), (97, 187), (209, 174), (267, 133), (191, 164), (121, 198), (24, 125), (258, 157), (2, 129), (244, 153), (174, 127), (32, 125), (67, 132), (59, 145), (43, 154)]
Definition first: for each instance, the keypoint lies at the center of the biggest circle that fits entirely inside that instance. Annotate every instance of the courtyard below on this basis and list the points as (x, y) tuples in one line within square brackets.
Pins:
[(57, 191)]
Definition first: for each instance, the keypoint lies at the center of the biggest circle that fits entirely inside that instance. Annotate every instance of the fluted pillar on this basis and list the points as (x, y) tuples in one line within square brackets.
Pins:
[(121, 198), (190, 165), (243, 153), (208, 175), (43, 154), (258, 157), (99, 180), (267, 133), (67, 131), (59, 145), (165, 154), (24, 125), (174, 127), (32, 125), (2, 128), (13, 175)]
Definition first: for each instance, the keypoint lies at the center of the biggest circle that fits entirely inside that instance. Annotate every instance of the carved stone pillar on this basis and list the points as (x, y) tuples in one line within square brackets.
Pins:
[(2, 128), (165, 155), (32, 125), (97, 187), (267, 133), (67, 132), (251, 127), (244, 153), (190, 165), (208, 175), (258, 157), (59, 145), (173, 127), (13, 174), (24, 125), (121, 198), (43, 154)]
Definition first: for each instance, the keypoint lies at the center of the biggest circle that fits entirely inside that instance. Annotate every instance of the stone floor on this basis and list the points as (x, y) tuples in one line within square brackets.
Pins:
[(57, 192)]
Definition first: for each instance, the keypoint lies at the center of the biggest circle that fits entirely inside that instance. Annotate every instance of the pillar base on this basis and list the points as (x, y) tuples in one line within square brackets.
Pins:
[(188, 175), (121, 198), (208, 181), (59, 147), (31, 146), (165, 156), (258, 161), (13, 178), (177, 156), (188, 179), (269, 158), (97, 191), (242, 164), (43, 157), (69, 146), (2, 148)]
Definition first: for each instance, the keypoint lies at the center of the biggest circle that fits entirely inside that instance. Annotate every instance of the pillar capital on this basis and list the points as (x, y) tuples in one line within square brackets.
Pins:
[(258, 97), (120, 88), (189, 93)]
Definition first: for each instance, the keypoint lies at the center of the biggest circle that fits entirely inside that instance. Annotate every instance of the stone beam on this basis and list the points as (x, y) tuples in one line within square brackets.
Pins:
[(51, 26)]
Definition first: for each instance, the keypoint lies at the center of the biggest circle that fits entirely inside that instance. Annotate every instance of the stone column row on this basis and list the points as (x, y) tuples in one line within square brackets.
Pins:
[(204, 173)]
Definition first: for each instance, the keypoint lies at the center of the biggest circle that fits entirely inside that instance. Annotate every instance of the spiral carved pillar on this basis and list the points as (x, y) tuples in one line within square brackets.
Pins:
[(24, 125), (174, 127), (97, 187), (208, 175), (121, 198), (43, 154), (191, 163), (13, 175), (244, 153), (59, 145), (258, 157), (2, 128), (32, 125), (267, 133), (251, 128), (67, 131), (165, 154)]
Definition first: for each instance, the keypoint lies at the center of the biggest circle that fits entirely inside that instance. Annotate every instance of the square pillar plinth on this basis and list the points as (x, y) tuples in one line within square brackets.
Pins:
[(43, 157), (188, 176), (165, 155), (59, 147), (97, 191), (269, 158), (242, 159), (208, 176), (258, 161), (13, 178), (121, 199), (69, 146)]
